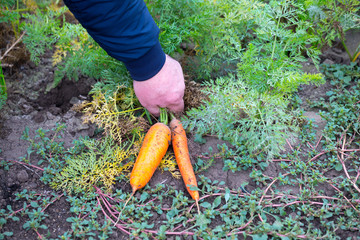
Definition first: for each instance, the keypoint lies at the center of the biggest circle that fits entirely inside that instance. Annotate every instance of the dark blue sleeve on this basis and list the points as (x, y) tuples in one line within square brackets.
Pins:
[(125, 30)]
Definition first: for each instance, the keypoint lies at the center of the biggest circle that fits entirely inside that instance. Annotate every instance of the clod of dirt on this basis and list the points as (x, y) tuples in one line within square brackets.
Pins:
[(22, 176)]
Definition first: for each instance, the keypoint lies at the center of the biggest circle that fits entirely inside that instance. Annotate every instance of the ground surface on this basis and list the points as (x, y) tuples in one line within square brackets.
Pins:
[(30, 106)]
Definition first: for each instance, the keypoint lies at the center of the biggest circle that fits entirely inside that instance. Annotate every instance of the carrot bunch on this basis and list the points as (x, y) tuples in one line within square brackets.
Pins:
[(154, 148)]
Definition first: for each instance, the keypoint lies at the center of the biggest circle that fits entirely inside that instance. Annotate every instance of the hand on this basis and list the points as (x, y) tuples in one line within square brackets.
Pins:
[(164, 90)]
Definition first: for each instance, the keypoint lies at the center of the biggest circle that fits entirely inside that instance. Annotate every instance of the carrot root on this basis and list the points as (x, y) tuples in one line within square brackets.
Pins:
[(132, 194), (153, 149), (182, 156), (197, 205)]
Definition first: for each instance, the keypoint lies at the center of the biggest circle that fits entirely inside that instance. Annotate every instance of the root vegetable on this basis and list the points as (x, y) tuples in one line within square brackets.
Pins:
[(180, 146)]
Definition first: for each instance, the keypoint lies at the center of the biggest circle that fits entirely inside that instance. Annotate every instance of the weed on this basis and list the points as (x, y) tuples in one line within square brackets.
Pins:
[(342, 109), (11, 13)]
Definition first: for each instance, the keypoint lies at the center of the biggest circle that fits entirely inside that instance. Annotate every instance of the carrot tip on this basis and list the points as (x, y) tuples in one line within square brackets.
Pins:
[(197, 205), (134, 189)]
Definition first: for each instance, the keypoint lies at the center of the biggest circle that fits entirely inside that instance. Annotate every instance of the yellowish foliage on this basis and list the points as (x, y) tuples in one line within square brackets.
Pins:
[(98, 166), (104, 112), (168, 163), (54, 5), (58, 55), (31, 4), (61, 50)]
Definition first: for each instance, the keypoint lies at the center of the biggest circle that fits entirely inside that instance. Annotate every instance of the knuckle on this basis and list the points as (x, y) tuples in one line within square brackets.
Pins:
[(174, 98)]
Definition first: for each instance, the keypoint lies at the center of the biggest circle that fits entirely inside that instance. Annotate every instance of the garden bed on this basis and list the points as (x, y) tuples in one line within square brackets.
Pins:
[(269, 199)]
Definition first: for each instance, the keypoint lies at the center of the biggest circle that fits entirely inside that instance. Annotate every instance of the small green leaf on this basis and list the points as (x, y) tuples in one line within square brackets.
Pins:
[(329, 93), (193, 187), (218, 229), (205, 205), (216, 202), (8, 234), (199, 139), (260, 237), (144, 196), (43, 226), (26, 225), (2, 221), (277, 225), (227, 194), (34, 204), (338, 167), (349, 212), (284, 238), (202, 220), (162, 230)]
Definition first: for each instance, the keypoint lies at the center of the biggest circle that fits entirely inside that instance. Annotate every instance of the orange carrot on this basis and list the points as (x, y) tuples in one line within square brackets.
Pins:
[(181, 150), (153, 149)]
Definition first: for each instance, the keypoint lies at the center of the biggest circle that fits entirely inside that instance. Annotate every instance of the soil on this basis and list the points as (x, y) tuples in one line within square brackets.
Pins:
[(30, 106)]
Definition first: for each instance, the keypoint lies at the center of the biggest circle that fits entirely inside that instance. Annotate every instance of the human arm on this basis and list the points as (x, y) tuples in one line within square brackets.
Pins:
[(127, 32)]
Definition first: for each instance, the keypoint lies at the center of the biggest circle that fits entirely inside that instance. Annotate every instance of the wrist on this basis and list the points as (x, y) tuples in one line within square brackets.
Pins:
[(148, 65)]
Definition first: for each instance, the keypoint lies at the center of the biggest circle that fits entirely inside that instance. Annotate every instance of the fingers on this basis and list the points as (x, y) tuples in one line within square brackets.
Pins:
[(164, 90), (177, 107)]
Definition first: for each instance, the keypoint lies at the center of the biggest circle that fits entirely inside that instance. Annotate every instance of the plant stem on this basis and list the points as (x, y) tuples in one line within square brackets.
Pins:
[(356, 56), (148, 116), (346, 48), (3, 89), (22, 163), (164, 116)]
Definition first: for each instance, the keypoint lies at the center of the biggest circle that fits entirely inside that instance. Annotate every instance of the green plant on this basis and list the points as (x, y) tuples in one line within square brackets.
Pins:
[(14, 11), (244, 117), (40, 28), (269, 210), (3, 90), (332, 19), (11, 14), (75, 51), (216, 49), (250, 108), (85, 222), (342, 109), (6, 215), (272, 60), (49, 149)]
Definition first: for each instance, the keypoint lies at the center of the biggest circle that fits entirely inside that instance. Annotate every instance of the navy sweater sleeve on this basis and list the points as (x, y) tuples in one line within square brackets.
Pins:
[(125, 30)]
